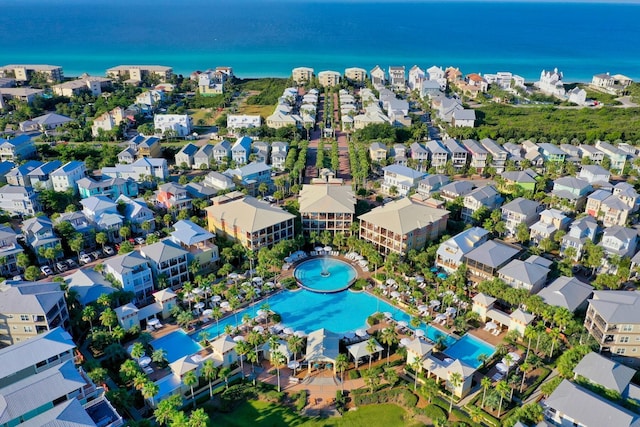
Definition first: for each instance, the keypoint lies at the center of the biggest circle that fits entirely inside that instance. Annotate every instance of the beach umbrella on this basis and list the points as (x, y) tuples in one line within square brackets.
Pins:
[(318, 248), (197, 291), (434, 303), (233, 276), (491, 326), (434, 269), (419, 333), (423, 307), (419, 279), (287, 259), (216, 298), (269, 284), (259, 329), (388, 315), (405, 341), (515, 357), (294, 364), (207, 312), (403, 323), (328, 248), (451, 310), (153, 322), (361, 333), (261, 312), (257, 279), (238, 338), (440, 317), (502, 368), (395, 294), (144, 361), (391, 282), (199, 305), (359, 257), (442, 275), (288, 331), (300, 334), (224, 304)]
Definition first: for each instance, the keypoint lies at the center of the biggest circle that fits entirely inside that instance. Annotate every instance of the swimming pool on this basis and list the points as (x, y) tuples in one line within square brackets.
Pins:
[(176, 344), (325, 275), (338, 312), (468, 348)]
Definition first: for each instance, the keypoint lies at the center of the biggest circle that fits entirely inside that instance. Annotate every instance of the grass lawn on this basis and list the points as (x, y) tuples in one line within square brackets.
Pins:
[(261, 110), (262, 414), (201, 113)]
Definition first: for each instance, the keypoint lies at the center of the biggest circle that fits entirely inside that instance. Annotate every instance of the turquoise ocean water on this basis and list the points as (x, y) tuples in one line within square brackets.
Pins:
[(269, 37)]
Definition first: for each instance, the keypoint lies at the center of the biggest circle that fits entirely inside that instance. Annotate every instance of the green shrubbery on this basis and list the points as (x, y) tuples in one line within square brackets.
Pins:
[(399, 396)]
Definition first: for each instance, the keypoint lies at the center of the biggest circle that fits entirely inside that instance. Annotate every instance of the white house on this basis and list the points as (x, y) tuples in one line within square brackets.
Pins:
[(178, 123), (66, 177)]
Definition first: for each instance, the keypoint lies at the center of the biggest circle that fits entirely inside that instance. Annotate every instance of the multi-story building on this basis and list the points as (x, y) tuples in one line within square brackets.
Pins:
[(484, 261), (613, 319), (110, 187), (18, 200), (108, 121), (86, 83), (39, 235), (169, 261), (9, 251), (402, 225), (136, 73), (451, 252), (458, 155), (484, 197), (133, 272), (39, 178), (530, 274), (581, 230), (251, 176), (15, 149), (173, 196), (25, 72), (184, 157), (203, 157), (180, 124), (498, 154), (478, 155), (218, 181), (355, 74), (141, 171), (222, 151), (242, 121), (28, 309), (432, 183), (329, 78), (438, 155), (518, 211), (327, 208), (400, 179), (136, 213), (397, 77), (302, 75), (551, 221), (241, 150), (249, 221), (66, 177), (378, 76), (198, 242), (617, 157)]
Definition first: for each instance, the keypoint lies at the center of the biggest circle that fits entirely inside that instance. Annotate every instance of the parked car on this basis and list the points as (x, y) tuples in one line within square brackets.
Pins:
[(95, 255), (72, 264), (19, 278), (46, 270), (61, 267), (85, 259), (108, 250), (270, 199), (140, 240)]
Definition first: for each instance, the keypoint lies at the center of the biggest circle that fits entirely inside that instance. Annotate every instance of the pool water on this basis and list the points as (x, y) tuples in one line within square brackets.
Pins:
[(309, 274), (468, 348), (176, 344)]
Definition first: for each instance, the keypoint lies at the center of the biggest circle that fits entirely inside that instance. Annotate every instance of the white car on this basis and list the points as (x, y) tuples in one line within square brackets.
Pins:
[(108, 250), (140, 240), (85, 259), (46, 270)]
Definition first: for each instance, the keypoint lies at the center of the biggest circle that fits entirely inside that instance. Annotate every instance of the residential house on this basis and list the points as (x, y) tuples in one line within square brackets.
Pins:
[(458, 155), (402, 225), (103, 213), (377, 152), (613, 319), (590, 152), (571, 192), (578, 96), (378, 76), (567, 292), (25, 72), (136, 213), (432, 183), (486, 197), (594, 174), (446, 107), (463, 118), (397, 78), (552, 153), (279, 151), (627, 193), (399, 154), (203, 158), (526, 180), (18, 148), (173, 196), (260, 151), (436, 73), (133, 272), (400, 179), (9, 251), (237, 122), (484, 261), (39, 178), (218, 181), (355, 74), (127, 156), (329, 78), (601, 371), (580, 230), (453, 75), (455, 189), (29, 308), (88, 285), (618, 242), (451, 252), (478, 155), (80, 224), (251, 176), (209, 84), (141, 171), (241, 150), (66, 177), (108, 121), (39, 235), (143, 146), (150, 100), (110, 187), (178, 125), (551, 221), (416, 77), (530, 274), (168, 261), (551, 83), (420, 155), (19, 200), (44, 123), (614, 85), (438, 155), (249, 221), (184, 157), (498, 154), (608, 207), (198, 242), (86, 83), (327, 207), (222, 151), (302, 75), (519, 211), (372, 114), (617, 157), (5, 168), (431, 89)]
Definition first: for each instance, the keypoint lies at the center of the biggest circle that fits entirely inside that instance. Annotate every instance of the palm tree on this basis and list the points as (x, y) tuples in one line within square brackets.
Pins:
[(554, 335), (242, 348), (388, 336), (295, 344), (503, 390), (190, 379), (108, 318), (485, 383), (455, 379), (167, 409), (198, 418), (137, 350), (430, 388), (88, 314), (415, 366), (210, 373), (224, 373), (524, 367), (159, 356), (277, 360), (139, 381), (342, 363), (372, 345), (216, 313)]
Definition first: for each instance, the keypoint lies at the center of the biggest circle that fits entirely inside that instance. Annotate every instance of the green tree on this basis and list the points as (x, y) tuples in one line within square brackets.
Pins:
[(190, 380), (137, 350), (503, 390), (210, 373), (486, 384), (167, 409), (522, 232), (108, 318), (277, 361), (388, 336), (342, 363), (198, 418), (224, 373), (149, 390), (455, 379), (77, 244), (102, 238), (32, 273)]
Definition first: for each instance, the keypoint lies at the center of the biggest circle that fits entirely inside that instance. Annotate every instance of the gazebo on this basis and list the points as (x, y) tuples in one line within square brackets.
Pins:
[(322, 347), (360, 350)]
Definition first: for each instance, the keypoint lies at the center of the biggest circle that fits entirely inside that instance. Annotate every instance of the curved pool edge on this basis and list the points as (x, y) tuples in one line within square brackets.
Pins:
[(301, 285)]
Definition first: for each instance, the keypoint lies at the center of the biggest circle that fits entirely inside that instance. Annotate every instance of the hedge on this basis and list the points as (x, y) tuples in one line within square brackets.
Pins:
[(434, 412), (400, 396)]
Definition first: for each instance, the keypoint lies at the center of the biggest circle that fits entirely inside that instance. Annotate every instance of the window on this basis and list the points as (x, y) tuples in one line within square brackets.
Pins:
[(624, 340), (28, 329), (620, 351), (24, 317), (627, 328)]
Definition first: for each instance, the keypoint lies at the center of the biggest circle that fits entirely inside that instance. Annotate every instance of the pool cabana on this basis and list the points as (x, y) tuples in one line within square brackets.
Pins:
[(360, 350), (323, 346), (442, 370)]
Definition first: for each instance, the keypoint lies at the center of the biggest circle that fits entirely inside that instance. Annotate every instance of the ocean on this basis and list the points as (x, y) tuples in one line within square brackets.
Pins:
[(269, 37)]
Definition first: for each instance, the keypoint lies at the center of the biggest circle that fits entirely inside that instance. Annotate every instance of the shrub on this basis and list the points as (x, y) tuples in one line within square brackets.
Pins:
[(273, 396), (354, 375), (434, 412), (300, 400)]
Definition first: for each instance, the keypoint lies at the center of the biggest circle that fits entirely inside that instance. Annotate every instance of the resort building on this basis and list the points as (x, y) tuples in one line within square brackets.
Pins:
[(249, 221), (399, 180), (179, 124), (168, 261), (325, 207), (198, 242), (133, 271), (302, 75), (88, 285), (451, 252), (402, 225), (484, 261), (567, 292), (530, 274), (329, 78), (134, 74), (28, 309), (25, 72), (355, 74), (518, 320), (91, 84)]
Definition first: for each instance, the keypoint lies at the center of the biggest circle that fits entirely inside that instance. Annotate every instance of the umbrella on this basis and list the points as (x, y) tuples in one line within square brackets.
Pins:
[(259, 329), (405, 341), (434, 303), (359, 257), (403, 323), (501, 367), (491, 326), (277, 327), (514, 357), (294, 364), (423, 307), (442, 275), (388, 314), (153, 322), (269, 284), (233, 276), (349, 335), (257, 279), (216, 298), (419, 279), (144, 361), (224, 304), (288, 331), (451, 310), (419, 333), (328, 248), (238, 338), (207, 312), (361, 333), (300, 334), (318, 248), (199, 305), (261, 312), (197, 291), (391, 282), (440, 317), (395, 294)]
